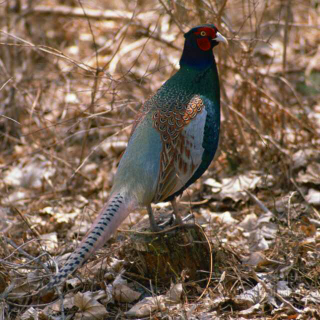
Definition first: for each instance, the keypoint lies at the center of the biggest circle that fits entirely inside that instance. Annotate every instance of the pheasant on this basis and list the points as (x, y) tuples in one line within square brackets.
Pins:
[(172, 143)]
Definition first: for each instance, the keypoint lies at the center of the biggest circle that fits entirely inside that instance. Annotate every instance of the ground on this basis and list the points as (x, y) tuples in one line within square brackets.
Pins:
[(73, 76)]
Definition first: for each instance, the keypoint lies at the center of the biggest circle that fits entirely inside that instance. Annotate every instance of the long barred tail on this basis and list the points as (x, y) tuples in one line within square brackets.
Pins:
[(111, 216)]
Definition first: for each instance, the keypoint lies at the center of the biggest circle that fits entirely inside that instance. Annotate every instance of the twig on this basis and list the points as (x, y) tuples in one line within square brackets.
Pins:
[(258, 202), (239, 126), (262, 137), (219, 14), (8, 289), (188, 226), (93, 150), (159, 38), (171, 15), (199, 7), (45, 49), (274, 292), (15, 121), (25, 220), (194, 203), (211, 263), (291, 24), (19, 249), (289, 208), (4, 84), (285, 37), (94, 89), (282, 107), (89, 13)]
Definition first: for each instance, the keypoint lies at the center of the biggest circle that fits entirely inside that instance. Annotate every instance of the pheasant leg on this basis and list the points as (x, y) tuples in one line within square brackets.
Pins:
[(153, 223), (178, 220)]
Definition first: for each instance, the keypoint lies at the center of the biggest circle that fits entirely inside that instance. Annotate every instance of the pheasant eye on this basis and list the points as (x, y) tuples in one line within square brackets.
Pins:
[(203, 33)]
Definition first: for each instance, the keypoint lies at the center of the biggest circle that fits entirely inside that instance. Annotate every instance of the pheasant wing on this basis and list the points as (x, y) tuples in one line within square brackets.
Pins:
[(182, 131)]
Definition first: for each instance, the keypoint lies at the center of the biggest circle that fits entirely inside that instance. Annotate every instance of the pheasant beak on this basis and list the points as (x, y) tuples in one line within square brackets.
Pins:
[(220, 38)]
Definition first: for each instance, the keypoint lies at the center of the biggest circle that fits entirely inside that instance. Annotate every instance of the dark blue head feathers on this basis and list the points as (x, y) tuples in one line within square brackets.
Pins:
[(200, 40)]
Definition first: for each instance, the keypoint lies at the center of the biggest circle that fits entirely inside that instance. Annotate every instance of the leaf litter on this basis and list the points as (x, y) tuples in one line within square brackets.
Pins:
[(259, 202)]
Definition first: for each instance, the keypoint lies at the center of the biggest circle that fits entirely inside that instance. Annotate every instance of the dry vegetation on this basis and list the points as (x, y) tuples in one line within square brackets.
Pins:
[(72, 77)]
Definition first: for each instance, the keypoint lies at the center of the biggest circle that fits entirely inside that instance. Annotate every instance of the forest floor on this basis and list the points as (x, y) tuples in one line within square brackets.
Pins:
[(72, 78)]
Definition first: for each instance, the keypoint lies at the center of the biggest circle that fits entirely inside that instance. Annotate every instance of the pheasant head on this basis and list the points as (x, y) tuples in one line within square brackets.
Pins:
[(199, 42)]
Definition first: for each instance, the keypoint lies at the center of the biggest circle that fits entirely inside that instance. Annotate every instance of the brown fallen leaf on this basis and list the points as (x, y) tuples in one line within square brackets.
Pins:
[(311, 175), (147, 306), (122, 293), (89, 307), (235, 187), (313, 197), (175, 292)]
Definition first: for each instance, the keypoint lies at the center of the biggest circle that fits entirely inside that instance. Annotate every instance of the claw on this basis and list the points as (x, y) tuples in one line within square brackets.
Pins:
[(178, 220)]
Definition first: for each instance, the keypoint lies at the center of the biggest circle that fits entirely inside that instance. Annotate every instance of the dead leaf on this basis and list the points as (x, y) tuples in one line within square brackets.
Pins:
[(30, 314), (60, 216), (30, 175), (302, 157), (147, 306), (252, 296), (68, 303), (223, 218), (49, 242), (15, 197), (219, 301), (283, 289), (73, 282), (122, 293), (251, 310), (174, 294), (311, 175), (313, 197), (307, 227), (235, 187), (313, 296), (89, 307), (115, 265), (255, 259), (113, 146), (257, 241), (3, 310), (249, 223)]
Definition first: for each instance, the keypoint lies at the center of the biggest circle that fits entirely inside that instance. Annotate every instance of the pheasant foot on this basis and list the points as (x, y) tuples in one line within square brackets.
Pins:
[(153, 224)]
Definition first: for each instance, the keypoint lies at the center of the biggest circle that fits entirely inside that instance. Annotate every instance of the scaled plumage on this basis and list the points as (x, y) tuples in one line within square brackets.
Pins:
[(173, 141)]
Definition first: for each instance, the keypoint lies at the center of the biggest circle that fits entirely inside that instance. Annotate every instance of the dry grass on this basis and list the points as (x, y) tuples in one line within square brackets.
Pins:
[(72, 77)]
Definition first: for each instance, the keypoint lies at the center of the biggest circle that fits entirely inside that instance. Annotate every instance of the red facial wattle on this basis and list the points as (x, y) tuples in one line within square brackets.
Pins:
[(204, 44)]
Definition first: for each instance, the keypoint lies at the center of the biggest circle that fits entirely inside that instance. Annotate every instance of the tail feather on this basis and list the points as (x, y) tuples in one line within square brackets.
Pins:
[(111, 216)]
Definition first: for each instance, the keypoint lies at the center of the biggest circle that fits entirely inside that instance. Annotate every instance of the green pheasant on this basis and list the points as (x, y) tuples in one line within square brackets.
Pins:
[(173, 141)]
